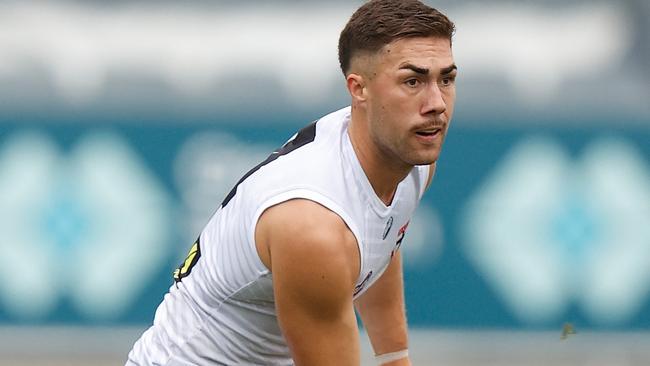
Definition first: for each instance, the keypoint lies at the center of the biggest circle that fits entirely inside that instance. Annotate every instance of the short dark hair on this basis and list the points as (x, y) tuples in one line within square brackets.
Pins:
[(380, 22)]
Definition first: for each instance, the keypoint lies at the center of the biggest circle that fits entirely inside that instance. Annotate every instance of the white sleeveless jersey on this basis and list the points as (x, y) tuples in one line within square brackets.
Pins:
[(221, 309)]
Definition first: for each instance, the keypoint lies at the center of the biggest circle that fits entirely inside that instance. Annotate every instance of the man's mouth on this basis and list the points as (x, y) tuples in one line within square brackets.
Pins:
[(429, 132)]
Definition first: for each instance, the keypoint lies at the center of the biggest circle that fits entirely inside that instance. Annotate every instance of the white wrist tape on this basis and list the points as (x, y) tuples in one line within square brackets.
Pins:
[(390, 357)]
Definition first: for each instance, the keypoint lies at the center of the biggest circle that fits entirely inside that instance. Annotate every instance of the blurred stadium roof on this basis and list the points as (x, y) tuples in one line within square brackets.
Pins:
[(517, 58)]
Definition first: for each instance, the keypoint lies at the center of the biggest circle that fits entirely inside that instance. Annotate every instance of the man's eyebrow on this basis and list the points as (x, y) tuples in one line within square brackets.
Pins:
[(449, 69), (415, 69), (425, 71)]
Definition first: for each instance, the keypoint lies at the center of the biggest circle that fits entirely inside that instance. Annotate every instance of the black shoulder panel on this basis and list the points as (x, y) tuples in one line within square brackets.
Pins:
[(304, 136)]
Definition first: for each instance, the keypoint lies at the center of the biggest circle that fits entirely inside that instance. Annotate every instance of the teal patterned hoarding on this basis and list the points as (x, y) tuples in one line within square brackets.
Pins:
[(524, 227)]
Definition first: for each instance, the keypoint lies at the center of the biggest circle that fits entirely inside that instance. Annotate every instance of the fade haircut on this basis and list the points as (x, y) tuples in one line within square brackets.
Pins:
[(380, 22)]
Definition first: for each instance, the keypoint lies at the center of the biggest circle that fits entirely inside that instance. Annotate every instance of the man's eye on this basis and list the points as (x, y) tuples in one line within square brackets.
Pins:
[(447, 81), (412, 82)]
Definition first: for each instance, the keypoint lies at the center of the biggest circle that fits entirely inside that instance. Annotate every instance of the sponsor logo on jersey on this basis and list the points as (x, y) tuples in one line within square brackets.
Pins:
[(400, 236), (389, 225), (363, 283)]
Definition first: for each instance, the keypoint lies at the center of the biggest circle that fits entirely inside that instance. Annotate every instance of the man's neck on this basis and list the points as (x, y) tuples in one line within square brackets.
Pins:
[(383, 173)]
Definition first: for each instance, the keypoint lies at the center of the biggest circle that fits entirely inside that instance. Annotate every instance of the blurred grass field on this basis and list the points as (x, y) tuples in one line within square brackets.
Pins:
[(109, 346)]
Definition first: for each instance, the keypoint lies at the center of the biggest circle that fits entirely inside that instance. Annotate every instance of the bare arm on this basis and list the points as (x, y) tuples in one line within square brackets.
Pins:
[(314, 260), (381, 308)]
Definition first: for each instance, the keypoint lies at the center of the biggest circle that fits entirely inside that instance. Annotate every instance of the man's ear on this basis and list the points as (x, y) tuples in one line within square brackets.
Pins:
[(357, 87)]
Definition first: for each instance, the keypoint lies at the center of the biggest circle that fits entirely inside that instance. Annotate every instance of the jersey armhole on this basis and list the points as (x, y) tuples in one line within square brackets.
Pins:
[(312, 196)]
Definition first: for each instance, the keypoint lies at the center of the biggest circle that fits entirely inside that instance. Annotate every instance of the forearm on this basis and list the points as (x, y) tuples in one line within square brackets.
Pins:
[(387, 333), (382, 311), (314, 343)]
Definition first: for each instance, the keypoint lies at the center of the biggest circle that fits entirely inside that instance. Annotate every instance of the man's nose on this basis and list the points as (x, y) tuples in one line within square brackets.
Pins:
[(434, 102)]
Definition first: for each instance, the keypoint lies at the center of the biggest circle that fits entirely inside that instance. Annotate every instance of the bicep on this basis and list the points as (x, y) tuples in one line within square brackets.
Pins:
[(314, 267), (315, 313)]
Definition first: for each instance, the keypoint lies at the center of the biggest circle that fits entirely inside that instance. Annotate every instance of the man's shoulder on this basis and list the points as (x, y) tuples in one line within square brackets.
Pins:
[(303, 228), (305, 239), (307, 219)]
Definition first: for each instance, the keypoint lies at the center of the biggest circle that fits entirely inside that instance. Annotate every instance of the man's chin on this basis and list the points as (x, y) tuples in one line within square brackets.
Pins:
[(422, 157), (425, 160), (425, 163)]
